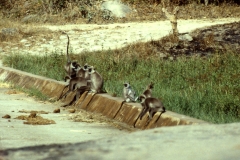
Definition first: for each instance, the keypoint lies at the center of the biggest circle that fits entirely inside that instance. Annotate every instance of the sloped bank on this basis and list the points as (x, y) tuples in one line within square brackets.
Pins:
[(111, 107)]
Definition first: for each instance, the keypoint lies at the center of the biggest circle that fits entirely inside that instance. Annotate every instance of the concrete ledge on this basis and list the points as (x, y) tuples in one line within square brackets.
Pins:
[(84, 103), (105, 104), (129, 113), (111, 107)]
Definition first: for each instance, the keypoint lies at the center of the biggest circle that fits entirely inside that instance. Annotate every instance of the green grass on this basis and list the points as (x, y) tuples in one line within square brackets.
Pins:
[(33, 92), (206, 88)]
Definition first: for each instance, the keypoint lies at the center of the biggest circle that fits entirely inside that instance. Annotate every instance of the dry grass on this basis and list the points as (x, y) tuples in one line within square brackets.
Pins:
[(12, 32), (36, 12), (14, 17)]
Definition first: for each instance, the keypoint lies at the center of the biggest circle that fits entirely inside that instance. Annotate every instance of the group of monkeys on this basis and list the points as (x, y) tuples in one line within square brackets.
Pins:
[(86, 78)]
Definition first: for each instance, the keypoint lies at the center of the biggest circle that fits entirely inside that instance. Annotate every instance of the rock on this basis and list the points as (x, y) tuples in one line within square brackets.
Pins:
[(32, 115), (10, 31), (162, 55), (56, 110), (71, 110), (6, 116), (185, 37), (23, 41), (117, 8), (30, 18)]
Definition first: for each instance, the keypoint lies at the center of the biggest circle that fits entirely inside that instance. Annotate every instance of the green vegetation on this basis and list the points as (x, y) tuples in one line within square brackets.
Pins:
[(33, 92), (206, 88)]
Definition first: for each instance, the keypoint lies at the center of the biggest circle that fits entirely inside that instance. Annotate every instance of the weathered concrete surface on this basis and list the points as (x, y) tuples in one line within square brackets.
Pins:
[(111, 107), (14, 133), (47, 86), (198, 142), (105, 104)]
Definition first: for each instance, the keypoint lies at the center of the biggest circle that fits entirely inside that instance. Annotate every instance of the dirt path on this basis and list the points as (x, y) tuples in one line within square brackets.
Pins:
[(93, 37)]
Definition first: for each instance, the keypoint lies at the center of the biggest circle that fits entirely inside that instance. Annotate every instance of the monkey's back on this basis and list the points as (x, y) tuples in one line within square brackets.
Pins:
[(97, 81), (154, 103), (79, 82)]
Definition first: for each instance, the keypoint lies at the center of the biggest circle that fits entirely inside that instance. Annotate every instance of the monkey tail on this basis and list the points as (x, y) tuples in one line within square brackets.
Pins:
[(68, 57)]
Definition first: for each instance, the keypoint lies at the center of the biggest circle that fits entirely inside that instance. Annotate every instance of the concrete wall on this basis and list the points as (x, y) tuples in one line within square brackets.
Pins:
[(111, 107)]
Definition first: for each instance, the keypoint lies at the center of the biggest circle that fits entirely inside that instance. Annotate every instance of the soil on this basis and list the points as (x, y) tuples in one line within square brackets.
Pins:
[(205, 41), (71, 113), (89, 117), (26, 121), (34, 119), (6, 116), (197, 36)]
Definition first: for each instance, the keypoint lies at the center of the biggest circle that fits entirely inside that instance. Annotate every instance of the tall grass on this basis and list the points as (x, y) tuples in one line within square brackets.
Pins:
[(207, 88)]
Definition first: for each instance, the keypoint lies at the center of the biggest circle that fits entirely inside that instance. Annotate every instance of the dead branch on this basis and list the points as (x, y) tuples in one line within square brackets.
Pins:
[(172, 18)]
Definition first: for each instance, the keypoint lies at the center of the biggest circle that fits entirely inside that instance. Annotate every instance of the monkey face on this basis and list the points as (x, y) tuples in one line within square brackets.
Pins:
[(91, 70), (86, 66), (150, 86), (126, 85), (74, 63)]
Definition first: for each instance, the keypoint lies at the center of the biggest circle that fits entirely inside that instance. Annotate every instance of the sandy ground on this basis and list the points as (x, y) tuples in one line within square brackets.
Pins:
[(93, 37), (64, 127)]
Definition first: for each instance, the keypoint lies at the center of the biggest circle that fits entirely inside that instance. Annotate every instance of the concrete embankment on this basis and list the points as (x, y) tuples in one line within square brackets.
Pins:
[(111, 107)]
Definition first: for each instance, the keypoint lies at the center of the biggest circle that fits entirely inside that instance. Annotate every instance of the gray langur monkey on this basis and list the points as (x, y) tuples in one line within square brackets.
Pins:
[(80, 72), (150, 105), (96, 80), (71, 66), (85, 68), (129, 94), (83, 72)]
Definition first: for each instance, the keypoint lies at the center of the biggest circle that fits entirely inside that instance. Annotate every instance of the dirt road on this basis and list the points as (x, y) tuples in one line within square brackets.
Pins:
[(52, 128), (93, 37)]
